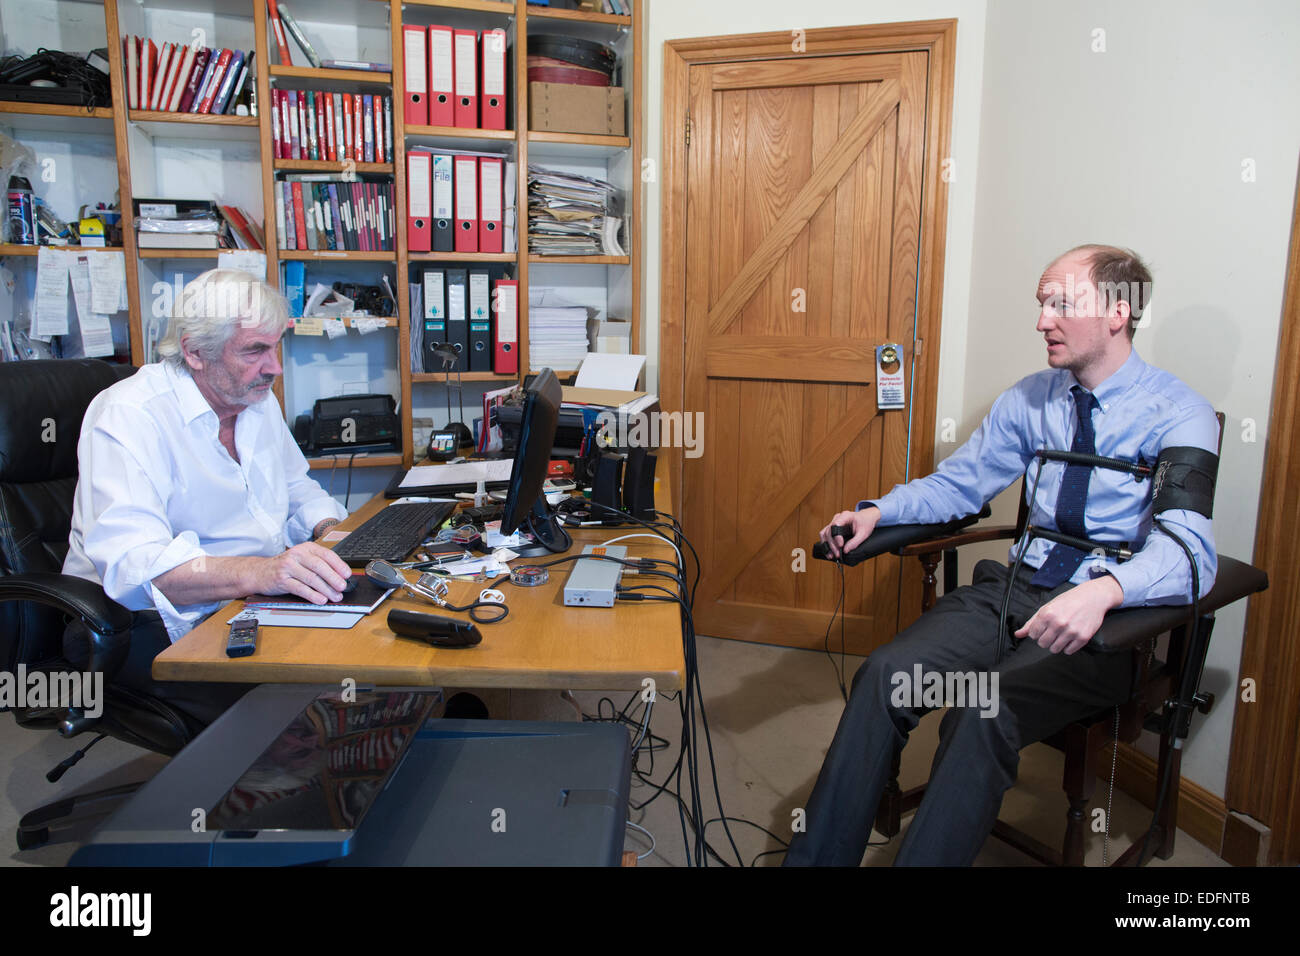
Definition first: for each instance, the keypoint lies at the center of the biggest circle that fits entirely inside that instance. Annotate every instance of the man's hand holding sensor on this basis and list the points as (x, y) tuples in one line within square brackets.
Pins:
[(862, 522)]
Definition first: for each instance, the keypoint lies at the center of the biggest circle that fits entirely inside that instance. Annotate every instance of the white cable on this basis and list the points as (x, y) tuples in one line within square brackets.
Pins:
[(637, 826), (658, 537)]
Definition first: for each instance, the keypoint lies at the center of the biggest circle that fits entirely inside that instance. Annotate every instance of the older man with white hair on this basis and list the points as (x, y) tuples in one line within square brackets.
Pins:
[(192, 490)]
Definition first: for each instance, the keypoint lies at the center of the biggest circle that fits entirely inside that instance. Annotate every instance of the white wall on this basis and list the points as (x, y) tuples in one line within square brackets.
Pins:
[(1140, 145)]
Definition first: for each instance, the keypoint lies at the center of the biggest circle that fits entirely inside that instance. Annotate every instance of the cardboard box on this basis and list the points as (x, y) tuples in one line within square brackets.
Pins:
[(568, 108)]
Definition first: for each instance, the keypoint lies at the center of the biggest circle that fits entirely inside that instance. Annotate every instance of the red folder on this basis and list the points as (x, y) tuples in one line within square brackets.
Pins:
[(332, 148), (466, 63), (345, 148), (419, 202), (491, 202), (505, 327), (492, 98), (414, 59), (465, 183), (442, 86)]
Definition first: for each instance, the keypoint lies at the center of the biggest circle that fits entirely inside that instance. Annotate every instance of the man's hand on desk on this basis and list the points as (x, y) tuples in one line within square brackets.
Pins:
[(308, 570), (863, 523), (1068, 621)]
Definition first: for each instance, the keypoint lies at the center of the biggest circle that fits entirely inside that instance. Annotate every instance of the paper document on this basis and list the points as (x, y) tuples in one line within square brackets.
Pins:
[(51, 308), (96, 330), (267, 617), (252, 261), (465, 473), (608, 370), (107, 281)]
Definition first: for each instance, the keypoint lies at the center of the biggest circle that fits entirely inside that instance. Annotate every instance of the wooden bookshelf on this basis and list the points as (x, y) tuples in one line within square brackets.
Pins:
[(461, 132), (18, 108), (12, 249), (324, 74), (343, 255), (478, 6), (579, 16), (180, 253), (362, 460), (330, 166), (582, 260), (517, 144), (436, 378), (462, 257)]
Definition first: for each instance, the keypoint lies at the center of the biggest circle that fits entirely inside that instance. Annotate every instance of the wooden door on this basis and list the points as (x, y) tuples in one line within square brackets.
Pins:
[(802, 247)]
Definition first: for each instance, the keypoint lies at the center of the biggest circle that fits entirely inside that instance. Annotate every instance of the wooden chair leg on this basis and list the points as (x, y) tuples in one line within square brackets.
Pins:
[(1079, 781)]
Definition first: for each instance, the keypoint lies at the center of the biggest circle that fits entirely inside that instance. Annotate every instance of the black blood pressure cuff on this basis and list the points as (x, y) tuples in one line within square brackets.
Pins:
[(1184, 480)]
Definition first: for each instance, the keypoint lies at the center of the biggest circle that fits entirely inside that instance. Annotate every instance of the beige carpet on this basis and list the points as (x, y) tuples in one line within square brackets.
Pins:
[(772, 712)]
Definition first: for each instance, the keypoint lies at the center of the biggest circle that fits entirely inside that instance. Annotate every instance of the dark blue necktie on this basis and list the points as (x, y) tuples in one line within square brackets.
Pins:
[(1062, 561)]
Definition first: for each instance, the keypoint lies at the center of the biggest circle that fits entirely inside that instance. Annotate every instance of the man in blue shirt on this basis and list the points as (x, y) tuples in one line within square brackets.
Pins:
[(1097, 397)]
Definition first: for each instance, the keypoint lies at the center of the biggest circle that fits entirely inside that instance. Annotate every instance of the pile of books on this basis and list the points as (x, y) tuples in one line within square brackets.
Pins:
[(570, 215), (195, 224), (334, 126), (180, 78), (321, 212)]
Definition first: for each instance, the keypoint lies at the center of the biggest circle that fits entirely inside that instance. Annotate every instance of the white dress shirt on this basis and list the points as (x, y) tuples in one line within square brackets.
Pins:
[(157, 489)]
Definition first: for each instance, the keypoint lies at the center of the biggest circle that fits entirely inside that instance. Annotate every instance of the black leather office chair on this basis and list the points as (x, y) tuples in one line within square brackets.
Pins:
[(42, 404), (1164, 695)]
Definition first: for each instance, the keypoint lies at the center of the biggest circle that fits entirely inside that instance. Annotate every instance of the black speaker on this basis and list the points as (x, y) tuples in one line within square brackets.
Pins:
[(639, 484), (606, 486)]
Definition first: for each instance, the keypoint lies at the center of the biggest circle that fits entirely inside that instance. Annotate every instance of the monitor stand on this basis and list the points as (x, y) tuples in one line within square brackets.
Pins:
[(549, 537)]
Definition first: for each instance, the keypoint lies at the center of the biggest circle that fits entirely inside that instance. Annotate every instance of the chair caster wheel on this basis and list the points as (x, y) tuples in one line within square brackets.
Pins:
[(28, 839)]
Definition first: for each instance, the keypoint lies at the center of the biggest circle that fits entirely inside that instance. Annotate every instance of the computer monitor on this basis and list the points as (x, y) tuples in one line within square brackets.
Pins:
[(526, 507)]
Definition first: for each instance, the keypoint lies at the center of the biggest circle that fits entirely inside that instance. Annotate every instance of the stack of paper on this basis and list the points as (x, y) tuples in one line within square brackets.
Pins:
[(557, 332), (571, 215)]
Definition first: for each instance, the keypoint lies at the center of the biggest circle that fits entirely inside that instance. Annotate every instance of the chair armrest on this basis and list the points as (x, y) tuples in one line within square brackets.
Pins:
[(1125, 628), (973, 536), (898, 536), (109, 623)]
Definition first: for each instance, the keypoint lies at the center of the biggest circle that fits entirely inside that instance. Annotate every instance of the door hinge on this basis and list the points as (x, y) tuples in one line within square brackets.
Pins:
[(688, 130)]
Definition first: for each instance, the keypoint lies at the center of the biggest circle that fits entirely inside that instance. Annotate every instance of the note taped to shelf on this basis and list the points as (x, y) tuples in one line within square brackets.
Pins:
[(309, 326), (107, 281), (96, 330), (50, 315), (251, 261), (366, 325), (334, 327)]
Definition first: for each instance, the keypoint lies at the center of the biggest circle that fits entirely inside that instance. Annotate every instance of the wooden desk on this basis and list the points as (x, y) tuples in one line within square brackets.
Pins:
[(542, 644)]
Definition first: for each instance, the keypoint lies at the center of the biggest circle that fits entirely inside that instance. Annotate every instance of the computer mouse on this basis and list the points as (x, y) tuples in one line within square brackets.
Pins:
[(350, 585)]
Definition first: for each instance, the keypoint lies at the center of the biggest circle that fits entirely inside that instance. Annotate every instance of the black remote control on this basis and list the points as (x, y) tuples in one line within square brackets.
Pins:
[(243, 637), (845, 531)]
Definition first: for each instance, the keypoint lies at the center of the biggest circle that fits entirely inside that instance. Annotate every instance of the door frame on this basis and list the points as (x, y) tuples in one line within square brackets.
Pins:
[(1263, 763), (938, 38)]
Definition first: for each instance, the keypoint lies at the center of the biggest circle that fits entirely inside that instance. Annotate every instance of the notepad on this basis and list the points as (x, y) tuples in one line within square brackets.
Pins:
[(364, 598)]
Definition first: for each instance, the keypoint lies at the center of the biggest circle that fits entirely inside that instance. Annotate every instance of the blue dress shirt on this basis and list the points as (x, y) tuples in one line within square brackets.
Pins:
[(1142, 410)]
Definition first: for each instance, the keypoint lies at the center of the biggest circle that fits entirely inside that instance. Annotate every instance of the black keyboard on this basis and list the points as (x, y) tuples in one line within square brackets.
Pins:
[(393, 533)]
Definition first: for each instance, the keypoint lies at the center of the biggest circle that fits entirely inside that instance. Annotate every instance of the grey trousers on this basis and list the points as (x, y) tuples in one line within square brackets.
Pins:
[(1038, 694)]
